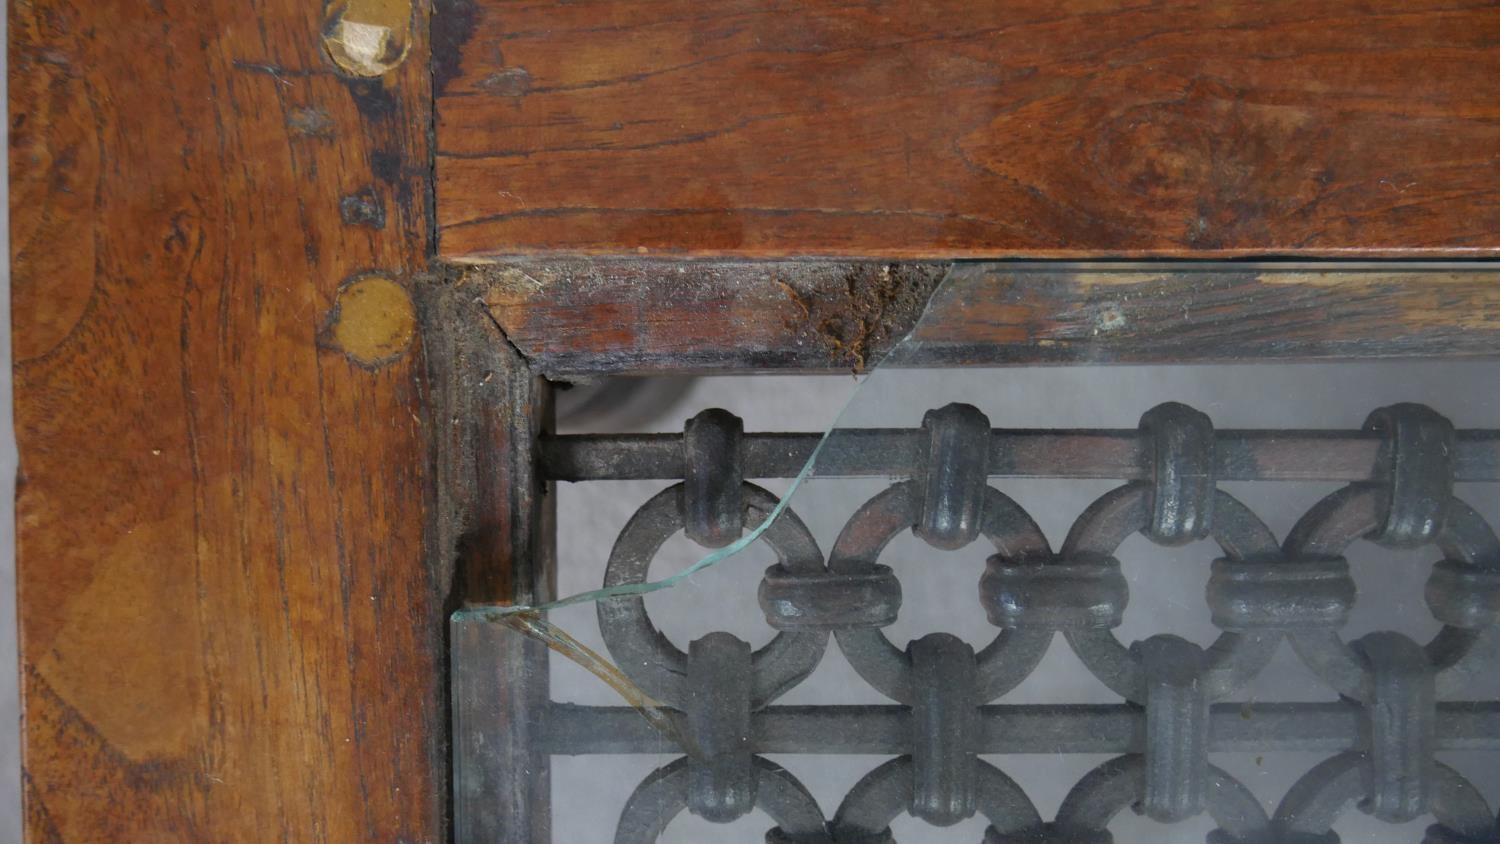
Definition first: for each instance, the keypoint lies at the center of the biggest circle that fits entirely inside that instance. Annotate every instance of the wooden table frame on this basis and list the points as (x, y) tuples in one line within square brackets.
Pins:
[(508, 330), (268, 443)]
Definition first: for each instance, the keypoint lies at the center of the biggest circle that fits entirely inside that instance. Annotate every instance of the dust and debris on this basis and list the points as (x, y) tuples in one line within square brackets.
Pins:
[(1111, 317), (797, 299), (510, 82), (310, 121), (515, 278), (861, 316), (364, 207)]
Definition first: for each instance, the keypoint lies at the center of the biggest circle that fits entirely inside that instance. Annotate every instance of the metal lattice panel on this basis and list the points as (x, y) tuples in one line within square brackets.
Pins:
[(1401, 701)]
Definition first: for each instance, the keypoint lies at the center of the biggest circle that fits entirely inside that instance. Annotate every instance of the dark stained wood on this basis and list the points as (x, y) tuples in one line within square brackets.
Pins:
[(635, 317), (583, 317), (776, 128), (494, 509), (229, 628), (991, 314)]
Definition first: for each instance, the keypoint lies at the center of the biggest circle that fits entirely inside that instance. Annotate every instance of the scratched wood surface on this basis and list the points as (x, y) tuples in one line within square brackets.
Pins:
[(949, 128), (642, 317), (228, 629)]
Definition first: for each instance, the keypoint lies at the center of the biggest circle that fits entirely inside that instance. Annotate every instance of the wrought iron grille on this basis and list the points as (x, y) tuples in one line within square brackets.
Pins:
[(1400, 703)]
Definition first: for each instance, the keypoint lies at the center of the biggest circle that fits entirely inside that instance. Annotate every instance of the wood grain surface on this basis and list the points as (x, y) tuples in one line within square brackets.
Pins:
[(229, 630), (949, 128), (581, 317)]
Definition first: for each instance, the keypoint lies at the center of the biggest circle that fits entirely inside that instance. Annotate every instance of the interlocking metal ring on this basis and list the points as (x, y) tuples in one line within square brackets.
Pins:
[(1417, 469), (1234, 658), (1003, 663), (884, 793), (662, 796), (1119, 783), (1183, 468), (1354, 512), (1314, 803), (648, 657)]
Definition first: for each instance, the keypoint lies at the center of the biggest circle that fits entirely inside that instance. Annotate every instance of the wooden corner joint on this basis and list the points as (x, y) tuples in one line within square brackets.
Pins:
[(490, 523)]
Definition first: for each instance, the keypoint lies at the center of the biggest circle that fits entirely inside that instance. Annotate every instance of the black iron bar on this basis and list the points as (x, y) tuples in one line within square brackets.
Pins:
[(1332, 727), (1340, 456)]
